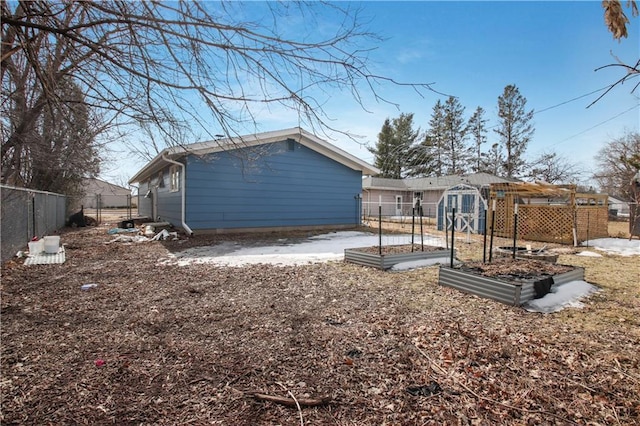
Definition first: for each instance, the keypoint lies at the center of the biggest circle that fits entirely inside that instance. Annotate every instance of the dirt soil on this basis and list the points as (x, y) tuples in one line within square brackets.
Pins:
[(516, 270), (162, 344)]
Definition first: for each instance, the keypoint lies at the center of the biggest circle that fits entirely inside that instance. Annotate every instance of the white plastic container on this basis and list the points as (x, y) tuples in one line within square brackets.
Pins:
[(52, 244), (36, 247)]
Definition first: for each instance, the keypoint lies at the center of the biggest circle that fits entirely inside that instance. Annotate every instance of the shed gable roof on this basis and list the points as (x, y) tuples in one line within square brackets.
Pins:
[(298, 134)]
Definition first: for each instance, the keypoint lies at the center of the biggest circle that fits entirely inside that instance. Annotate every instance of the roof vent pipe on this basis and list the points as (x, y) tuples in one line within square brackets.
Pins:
[(183, 190)]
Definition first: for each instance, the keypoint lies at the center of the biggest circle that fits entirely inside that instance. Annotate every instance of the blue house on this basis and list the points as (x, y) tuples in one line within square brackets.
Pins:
[(287, 179)]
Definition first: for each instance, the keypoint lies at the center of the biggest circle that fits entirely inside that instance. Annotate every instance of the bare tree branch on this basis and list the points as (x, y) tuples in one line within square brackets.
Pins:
[(181, 68)]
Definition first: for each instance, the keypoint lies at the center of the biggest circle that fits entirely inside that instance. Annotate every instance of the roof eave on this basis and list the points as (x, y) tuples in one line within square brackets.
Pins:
[(300, 135)]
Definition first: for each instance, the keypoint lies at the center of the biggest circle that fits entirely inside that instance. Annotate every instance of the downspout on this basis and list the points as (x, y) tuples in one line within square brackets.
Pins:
[(183, 191)]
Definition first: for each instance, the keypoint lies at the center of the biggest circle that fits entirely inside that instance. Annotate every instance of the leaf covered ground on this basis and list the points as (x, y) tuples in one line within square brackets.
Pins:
[(156, 343)]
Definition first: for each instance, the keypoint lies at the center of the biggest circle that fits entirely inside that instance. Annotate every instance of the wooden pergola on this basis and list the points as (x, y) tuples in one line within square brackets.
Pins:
[(548, 213)]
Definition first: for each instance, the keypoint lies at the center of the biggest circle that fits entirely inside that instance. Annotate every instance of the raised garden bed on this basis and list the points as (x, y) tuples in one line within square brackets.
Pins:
[(392, 255), (513, 282)]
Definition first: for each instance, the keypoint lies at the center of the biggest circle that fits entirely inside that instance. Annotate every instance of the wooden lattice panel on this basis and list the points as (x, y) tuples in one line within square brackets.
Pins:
[(549, 213), (501, 228), (553, 224)]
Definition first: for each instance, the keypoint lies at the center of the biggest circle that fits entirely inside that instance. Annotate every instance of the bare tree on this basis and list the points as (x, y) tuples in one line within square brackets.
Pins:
[(616, 21), (618, 163), (153, 65), (493, 160), (553, 168)]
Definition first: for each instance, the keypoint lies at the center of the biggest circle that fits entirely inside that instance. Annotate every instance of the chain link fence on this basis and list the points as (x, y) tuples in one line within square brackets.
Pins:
[(401, 223), (27, 213), (101, 203), (398, 211)]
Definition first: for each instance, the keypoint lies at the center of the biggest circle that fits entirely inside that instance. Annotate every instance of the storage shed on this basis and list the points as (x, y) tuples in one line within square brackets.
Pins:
[(547, 213), (287, 179), (469, 205)]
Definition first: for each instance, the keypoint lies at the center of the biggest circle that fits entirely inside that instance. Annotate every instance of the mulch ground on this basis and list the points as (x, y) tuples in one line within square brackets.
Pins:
[(156, 343)]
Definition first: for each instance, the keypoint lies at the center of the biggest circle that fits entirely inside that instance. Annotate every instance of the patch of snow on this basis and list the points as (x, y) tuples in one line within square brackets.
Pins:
[(562, 296), (587, 253), (422, 263), (620, 246), (315, 249), (331, 246)]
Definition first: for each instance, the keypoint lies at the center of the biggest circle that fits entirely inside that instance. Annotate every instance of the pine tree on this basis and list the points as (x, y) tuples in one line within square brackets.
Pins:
[(435, 137), (394, 147), (383, 148), (478, 131), (421, 159), (454, 135), (515, 129)]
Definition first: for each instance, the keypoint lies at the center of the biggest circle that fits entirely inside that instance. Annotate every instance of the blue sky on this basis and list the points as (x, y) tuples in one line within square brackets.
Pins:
[(472, 50)]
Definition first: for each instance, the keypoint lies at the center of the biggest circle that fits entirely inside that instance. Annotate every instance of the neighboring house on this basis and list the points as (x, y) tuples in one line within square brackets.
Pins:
[(437, 195), (98, 193), (618, 207), (397, 196), (287, 179)]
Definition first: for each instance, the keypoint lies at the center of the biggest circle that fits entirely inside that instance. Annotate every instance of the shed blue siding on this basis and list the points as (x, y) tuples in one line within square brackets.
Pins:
[(270, 186)]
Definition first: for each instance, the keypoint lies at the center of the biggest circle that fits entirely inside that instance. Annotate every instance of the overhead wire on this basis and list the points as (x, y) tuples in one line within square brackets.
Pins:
[(599, 124), (573, 100)]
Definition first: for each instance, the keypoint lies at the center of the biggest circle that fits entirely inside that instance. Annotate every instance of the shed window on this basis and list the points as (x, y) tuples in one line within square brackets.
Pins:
[(175, 178)]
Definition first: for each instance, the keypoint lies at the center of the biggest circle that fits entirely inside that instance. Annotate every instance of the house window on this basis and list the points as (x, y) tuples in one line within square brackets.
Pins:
[(160, 179), (417, 199), (175, 178)]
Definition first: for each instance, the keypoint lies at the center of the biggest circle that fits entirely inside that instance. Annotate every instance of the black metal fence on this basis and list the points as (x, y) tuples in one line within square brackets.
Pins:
[(27, 213)]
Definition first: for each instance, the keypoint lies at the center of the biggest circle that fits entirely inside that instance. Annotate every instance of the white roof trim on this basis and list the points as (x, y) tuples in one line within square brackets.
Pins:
[(299, 135)]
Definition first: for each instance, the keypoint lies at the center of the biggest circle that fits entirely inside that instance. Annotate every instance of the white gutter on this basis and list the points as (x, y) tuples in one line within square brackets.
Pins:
[(183, 191)]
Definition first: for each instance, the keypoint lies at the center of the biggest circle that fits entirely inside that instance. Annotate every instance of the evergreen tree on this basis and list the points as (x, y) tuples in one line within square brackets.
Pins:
[(394, 147), (515, 129), (383, 149), (421, 159), (454, 136), (478, 130), (435, 138)]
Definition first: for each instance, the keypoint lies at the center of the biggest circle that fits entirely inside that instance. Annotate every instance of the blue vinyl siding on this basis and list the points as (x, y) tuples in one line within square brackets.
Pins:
[(144, 203), (270, 186), (169, 203)]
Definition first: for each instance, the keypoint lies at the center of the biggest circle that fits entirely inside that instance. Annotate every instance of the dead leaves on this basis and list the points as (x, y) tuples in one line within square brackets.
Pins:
[(188, 345)]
